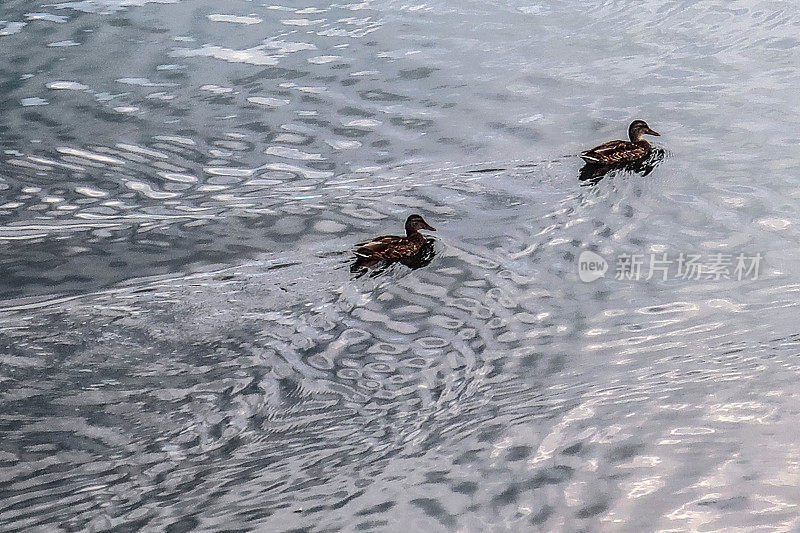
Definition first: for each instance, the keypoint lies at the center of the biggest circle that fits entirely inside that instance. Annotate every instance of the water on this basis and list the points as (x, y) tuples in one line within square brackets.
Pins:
[(184, 347)]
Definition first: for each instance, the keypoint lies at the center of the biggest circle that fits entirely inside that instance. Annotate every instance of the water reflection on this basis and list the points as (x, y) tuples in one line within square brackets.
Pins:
[(183, 347)]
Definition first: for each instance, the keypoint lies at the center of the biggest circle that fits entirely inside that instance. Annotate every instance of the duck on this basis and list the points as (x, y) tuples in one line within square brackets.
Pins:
[(393, 248), (619, 152)]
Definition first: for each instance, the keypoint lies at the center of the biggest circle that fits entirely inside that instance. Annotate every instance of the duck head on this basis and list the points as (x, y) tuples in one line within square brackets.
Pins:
[(414, 223), (638, 128)]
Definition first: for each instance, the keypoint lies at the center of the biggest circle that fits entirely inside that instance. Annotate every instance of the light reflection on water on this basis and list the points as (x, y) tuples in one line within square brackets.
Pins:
[(184, 346)]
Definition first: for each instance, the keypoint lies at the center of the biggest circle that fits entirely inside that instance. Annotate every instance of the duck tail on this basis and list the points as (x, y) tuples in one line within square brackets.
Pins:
[(589, 157)]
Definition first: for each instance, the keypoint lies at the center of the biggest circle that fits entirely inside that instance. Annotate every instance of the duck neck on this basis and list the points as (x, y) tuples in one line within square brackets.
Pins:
[(413, 234)]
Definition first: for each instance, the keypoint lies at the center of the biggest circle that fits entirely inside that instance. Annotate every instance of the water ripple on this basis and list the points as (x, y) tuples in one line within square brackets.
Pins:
[(184, 348)]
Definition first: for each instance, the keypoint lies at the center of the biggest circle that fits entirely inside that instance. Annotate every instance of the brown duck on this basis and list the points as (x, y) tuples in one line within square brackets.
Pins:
[(393, 247), (616, 152)]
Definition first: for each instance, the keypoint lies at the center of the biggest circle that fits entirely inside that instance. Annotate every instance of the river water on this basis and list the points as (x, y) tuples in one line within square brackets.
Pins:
[(184, 347)]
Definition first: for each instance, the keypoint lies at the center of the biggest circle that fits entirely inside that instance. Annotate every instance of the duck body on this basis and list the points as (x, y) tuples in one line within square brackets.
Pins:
[(393, 248), (619, 152), (388, 248), (616, 152)]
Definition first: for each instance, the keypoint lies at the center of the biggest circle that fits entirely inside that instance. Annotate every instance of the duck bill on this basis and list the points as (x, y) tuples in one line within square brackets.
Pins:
[(428, 227), (651, 132)]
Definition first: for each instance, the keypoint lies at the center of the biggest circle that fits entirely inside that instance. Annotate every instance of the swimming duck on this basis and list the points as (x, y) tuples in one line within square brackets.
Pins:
[(615, 152), (393, 247)]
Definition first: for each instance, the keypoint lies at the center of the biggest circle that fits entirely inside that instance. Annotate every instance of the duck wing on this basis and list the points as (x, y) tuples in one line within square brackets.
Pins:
[(385, 247), (614, 152)]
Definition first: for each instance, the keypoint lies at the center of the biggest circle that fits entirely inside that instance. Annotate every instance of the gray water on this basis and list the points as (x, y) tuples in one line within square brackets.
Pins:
[(185, 349)]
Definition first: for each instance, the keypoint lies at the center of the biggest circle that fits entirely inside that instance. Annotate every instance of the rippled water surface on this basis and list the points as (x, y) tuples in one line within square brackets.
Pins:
[(185, 349)]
